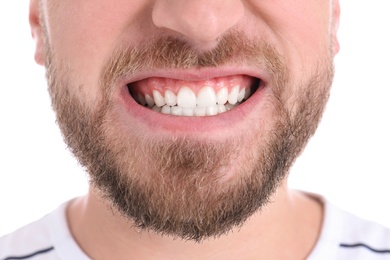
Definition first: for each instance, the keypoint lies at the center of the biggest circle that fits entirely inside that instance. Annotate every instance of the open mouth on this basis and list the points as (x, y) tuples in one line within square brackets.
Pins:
[(193, 98)]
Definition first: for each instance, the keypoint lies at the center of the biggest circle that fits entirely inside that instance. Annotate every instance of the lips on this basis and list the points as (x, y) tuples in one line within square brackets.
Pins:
[(141, 117), (193, 98)]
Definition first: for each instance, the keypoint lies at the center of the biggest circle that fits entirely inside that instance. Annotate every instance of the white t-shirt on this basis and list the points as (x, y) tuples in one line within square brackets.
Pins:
[(343, 236)]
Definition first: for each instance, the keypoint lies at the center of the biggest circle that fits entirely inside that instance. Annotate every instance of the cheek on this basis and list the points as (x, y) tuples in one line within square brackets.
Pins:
[(301, 29), (83, 34)]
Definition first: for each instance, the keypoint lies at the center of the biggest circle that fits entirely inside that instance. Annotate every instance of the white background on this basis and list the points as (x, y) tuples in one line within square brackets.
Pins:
[(347, 160)]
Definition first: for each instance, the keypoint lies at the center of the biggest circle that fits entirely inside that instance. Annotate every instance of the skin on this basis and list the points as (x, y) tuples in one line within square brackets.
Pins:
[(300, 30)]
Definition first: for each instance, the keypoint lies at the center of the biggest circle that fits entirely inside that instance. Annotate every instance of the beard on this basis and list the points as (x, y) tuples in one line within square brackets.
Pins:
[(177, 185)]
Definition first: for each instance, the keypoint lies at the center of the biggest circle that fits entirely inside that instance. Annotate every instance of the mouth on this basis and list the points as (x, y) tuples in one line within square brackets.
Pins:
[(203, 98)]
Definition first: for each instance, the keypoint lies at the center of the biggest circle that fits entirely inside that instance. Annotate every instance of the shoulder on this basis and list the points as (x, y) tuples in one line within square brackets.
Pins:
[(347, 236), (363, 237), (27, 242), (46, 239)]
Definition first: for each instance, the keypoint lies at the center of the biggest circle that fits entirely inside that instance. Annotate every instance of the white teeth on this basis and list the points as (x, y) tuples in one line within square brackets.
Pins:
[(199, 111), (158, 98), (156, 108), (188, 111), (206, 97), (141, 99), (176, 111), (149, 100), (166, 110), (229, 106), (212, 111), (232, 99), (241, 95), (221, 109), (195, 111), (170, 98), (186, 103), (222, 96), (186, 98)]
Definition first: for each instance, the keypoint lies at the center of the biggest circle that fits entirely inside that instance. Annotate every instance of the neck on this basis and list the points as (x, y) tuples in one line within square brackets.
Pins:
[(292, 221)]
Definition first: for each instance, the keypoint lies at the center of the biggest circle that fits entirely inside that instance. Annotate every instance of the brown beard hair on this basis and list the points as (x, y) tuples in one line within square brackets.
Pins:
[(181, 195)]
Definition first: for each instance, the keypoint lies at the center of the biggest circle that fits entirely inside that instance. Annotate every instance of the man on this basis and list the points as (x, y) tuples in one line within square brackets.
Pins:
[(187, 116)]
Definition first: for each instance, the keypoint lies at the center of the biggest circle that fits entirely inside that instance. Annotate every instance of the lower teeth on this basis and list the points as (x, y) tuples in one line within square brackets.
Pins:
[(196, 111)]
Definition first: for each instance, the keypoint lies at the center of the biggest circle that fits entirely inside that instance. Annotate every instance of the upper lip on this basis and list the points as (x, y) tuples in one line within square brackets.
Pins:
[(200, 74)]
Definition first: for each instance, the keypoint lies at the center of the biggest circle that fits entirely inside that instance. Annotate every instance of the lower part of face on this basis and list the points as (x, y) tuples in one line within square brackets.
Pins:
[(190, 186)]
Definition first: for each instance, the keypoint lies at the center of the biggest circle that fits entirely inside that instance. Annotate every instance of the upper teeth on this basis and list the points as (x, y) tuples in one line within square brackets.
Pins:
[(187, 103)]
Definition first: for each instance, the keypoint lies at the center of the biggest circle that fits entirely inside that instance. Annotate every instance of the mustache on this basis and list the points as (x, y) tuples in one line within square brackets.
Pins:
[(234, 48)]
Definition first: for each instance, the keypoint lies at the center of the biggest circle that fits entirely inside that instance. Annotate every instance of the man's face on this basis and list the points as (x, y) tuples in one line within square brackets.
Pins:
[(187, 121)]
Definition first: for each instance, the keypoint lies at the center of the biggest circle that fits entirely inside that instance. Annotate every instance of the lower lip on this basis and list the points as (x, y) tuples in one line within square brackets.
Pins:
[(156, 121)]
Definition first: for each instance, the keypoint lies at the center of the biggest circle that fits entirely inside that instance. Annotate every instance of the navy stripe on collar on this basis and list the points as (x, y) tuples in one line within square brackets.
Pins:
[(379, 251), (43, 251)]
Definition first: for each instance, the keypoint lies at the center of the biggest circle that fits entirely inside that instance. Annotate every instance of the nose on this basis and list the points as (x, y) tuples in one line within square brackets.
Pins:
[(202, 21)]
